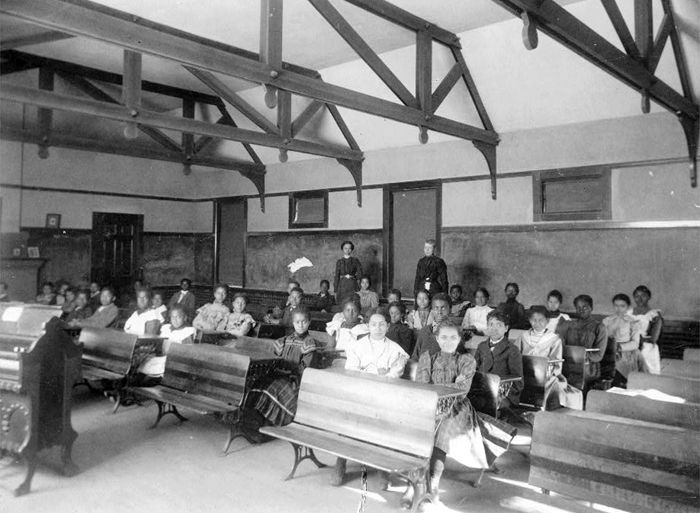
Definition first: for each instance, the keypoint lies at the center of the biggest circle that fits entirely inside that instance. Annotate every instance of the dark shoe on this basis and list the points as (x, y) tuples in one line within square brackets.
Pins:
[(338, 474)]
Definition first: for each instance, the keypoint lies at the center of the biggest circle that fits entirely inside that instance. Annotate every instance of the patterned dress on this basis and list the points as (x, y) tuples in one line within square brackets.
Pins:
[(239, 323), (348, 272), (211, 316), (368, 301), (470, 438), (419, 319), (277, 396)]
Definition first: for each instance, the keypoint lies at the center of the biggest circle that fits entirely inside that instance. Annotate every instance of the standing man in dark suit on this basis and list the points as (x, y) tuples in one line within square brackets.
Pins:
[(184, 298), (431, 272)]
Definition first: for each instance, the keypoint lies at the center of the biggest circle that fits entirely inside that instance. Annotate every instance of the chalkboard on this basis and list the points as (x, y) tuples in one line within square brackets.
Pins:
[(67, 253), (167, 258), (596, 262), (269, 254)]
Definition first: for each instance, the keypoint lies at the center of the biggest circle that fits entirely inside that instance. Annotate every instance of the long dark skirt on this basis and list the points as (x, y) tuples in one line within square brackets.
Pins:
[(277, 400)]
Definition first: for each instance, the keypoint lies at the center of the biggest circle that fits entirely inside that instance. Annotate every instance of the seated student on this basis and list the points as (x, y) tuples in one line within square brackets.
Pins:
[(152, 368), (475, 317), (554, 301), (459, 305), (274, 315), (277, 396), (650, 325), (394, 296), (81, 309), (375, 354), (61, 288), (426, 341), (69, 304), (94, 298), (239, 322), (586, 332), (420, 316), (293, 302), (184, 297), (398, 331), (539, 340), (47, 296), (291, 285), (346, 327), (324, 299), (369, 300), (105, 315), (212, 316), (460, 430), (622, 329), (136, 323), (498, 356), (4, 295), (512, 308), (158, 305)]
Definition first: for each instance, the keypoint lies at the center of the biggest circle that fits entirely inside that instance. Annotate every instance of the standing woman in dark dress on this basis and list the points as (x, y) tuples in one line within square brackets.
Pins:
[(348, 271), (431, 271)]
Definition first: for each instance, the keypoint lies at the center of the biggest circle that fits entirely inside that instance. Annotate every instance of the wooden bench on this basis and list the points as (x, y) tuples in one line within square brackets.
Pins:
[(680, 368), (685, 415), (381, 423), (534, 380), (691, 354), (688, 389), (576, 367), (203, 378), (618, 462), (108, 354)]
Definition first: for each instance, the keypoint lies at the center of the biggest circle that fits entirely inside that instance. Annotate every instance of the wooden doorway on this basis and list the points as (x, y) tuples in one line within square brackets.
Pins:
[(117, 244), (412, 214)]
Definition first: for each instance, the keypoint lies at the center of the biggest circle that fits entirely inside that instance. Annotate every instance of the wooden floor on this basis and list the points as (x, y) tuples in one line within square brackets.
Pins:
[(179, 469)]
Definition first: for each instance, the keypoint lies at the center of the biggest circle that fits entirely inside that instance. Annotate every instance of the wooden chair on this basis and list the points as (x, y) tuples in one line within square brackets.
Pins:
[(680, 369), (688, 389), (535, 374), (685, 415)]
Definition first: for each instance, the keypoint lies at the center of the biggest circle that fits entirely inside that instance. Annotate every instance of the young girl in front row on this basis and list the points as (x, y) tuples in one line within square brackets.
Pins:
[(212, 316), (622, 329), (239, 321), (420, 316)]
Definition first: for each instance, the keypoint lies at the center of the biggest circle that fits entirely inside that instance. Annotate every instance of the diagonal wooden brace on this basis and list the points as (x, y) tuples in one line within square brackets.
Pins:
[(355, 168), (691, 128), (489, 153), (258, 179)]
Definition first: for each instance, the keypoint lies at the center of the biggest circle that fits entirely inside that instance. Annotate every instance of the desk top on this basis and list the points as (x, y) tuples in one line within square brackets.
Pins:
[(253, 354), (442, 390)]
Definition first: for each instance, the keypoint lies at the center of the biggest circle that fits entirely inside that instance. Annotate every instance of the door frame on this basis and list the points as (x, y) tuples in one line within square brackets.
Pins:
[(138, 243), (388, 228)]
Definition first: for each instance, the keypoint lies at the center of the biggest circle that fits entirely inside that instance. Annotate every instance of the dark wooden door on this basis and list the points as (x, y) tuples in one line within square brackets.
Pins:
[(117, 241), (231, 228)]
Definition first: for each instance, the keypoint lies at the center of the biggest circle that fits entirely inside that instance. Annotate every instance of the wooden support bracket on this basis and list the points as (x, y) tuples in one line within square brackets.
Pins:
[(489, 153), (691, 128), (529, 34), (258, 179), (355, 168)]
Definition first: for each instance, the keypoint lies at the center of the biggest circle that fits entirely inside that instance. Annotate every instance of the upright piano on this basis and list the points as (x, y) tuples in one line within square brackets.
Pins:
[(39, 363)]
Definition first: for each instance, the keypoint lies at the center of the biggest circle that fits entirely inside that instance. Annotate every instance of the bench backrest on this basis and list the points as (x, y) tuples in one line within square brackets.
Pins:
[(691, 354), (264, 345), (680, 368), (273, 331), (483, 393), (688, 389), (574, 366), (686, 415), (385, 412), (108, 349), (207, 370), (534, 379)]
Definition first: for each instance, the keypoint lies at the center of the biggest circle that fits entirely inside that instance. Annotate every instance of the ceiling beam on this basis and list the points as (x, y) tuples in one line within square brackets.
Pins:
[(34, 39), (22, 60), (90, 20), (620, 26), (126, 148), (168, 122), (305, 116), (396, 15)]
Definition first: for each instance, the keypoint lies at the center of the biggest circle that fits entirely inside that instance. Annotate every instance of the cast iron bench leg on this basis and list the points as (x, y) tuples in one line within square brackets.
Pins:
[(26, 485), (302, 453), (164, 409)]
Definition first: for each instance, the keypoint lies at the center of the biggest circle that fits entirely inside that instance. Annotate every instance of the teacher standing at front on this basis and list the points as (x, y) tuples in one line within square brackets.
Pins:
[(431, 272), (348, 271)]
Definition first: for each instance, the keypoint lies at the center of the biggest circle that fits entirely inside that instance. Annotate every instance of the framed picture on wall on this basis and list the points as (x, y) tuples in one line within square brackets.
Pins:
[(53, 221), (308, 209), (33, 252)]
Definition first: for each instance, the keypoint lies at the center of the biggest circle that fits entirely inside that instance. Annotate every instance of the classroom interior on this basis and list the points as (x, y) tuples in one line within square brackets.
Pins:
[(543, 168)]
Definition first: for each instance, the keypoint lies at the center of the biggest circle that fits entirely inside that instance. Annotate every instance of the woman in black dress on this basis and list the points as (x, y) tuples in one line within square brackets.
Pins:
[(348, 271)]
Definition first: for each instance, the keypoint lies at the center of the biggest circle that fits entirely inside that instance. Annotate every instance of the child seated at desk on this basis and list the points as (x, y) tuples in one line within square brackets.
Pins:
[(69, 304), (277, 396), (105, 315), (81, 309), (398, 331), (475, 317), (459, 305), (47, 296), (151, 370), (369, 300), (325, 300), (136, 324), (539, 340), (212, 316), (239, 322), (346, 327), (158, 305), (394, 296), (498, 356), (293, 303), (623, 331), (420, 317)]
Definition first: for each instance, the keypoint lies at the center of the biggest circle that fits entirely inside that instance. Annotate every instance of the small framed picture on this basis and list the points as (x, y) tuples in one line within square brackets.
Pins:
[(33, 252), (53, 221)]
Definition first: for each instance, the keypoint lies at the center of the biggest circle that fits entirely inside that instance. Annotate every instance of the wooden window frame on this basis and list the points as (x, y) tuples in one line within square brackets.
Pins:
[(293, 199), (541, 178)]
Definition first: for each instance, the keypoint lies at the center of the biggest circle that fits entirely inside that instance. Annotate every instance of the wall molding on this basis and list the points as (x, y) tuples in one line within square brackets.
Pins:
[(96, 193), (314, 232), (569, 226)]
